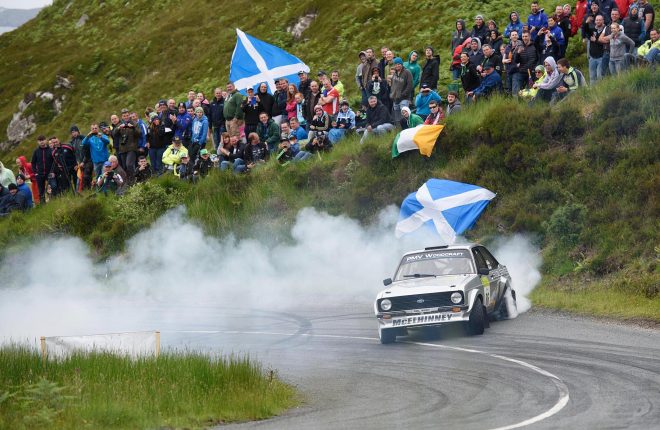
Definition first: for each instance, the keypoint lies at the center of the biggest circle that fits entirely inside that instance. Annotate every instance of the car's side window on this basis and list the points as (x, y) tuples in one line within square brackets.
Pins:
[(488, 256), (488, 262), (481, 263)]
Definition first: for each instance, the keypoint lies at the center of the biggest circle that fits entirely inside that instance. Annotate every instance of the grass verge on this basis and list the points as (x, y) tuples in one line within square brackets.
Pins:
[(94, 391)]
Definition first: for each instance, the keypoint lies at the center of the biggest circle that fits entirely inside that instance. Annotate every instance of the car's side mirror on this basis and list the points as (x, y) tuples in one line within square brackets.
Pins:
[(387, 281), (483, 271)]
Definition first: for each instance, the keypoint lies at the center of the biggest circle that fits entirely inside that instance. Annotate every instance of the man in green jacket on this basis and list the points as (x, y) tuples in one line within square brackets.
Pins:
[(232, 110), (415, 70), (409, 119), (268, 131)]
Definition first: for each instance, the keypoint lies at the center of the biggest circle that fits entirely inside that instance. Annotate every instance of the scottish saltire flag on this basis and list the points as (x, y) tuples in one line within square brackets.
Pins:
[(445, 207), (255, 61), (422, 137)]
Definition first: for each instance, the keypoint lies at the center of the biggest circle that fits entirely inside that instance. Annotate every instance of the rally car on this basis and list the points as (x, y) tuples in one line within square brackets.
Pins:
[(461, 284)]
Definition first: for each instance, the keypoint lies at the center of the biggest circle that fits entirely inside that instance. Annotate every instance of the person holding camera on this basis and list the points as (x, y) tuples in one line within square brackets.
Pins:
[(97, 143), (62, 174), (286, 152), (377, 86), (127, 133), (143, 172), (109, 180), (204, 164), (255, 154), (251, 108)]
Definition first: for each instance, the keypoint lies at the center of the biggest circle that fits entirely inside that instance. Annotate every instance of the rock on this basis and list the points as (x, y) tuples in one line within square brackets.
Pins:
[(63, 82), (19, 128), (303, 24), (57, 104), (46, 96), (83, 19), (67, 7)]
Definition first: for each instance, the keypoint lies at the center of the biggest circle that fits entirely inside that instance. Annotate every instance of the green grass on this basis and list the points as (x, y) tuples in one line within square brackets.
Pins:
[(176, 390)]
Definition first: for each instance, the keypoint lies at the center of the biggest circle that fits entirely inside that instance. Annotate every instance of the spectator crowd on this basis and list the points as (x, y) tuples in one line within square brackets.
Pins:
[(297, 122)]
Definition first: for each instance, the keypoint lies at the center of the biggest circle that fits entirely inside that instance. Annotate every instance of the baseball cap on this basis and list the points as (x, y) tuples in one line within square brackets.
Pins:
[(204, 152)]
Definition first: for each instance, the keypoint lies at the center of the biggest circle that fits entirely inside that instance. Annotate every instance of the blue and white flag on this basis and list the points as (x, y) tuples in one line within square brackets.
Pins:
[(255, 61), (447, 207)]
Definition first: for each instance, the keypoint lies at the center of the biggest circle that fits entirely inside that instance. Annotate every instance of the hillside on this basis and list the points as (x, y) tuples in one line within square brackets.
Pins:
[(16, 17)]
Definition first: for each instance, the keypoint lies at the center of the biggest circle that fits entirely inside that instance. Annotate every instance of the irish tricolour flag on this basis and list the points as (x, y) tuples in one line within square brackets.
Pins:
[(422, 137)]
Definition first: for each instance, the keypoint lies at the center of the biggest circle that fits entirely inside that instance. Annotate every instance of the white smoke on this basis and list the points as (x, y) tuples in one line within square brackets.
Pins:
[(55, 288)]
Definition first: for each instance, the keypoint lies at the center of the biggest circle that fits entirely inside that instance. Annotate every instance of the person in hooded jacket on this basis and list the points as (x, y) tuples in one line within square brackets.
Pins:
[(632, 26), (514, 24), (25, 169), (456, 59), (12, 201), (183, 125), (42, 162), (474, 53), (264, 99), (409, 119), (549, 84), (425, 96), (200, 129), (24, 188), (536, 20), (494, 39), (480, 29), (344, 123), (6, 175), (453, 103), (431, 69), (414, 69)]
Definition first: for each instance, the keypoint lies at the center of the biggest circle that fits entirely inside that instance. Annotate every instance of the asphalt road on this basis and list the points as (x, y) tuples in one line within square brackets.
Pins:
[(537, 371)]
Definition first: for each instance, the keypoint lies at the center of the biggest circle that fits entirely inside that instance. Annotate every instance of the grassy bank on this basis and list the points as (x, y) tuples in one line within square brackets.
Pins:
[(105, 391)]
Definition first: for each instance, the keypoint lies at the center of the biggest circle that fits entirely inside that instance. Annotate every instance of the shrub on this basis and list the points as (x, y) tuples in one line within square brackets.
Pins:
[(144, 202), (566, 223)]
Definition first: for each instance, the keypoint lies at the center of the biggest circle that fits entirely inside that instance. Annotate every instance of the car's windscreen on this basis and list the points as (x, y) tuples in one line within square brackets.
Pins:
[(435, 263)]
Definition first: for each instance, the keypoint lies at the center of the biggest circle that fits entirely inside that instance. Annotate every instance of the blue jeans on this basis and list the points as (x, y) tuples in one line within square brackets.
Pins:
[(156, 158), (238, 167), (396, 109), (98, 169), (217, 132), (336, 134), (302, 156), (515, 82), (595, 70), (653, 56), (456, 74), (616, 66)]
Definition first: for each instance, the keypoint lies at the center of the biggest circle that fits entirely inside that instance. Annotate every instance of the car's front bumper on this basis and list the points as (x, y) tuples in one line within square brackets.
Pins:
[(423, 317)]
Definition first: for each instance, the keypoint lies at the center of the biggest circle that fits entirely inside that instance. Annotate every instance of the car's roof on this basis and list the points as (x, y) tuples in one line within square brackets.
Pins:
[(443, 248)]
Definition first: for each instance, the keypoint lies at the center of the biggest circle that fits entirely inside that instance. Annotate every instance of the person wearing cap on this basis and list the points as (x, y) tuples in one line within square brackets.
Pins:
[(183, 125), (158, 141), (252, 106), (401, 88), (303, 85), (425, 96), (24, 188), (184, 169), (431, 69), (203, 165), (319, 125), (12, 201), (536, 20), (529, 93), (144, 171), (479, 30), (378, 119), (125, 136), (110, 180), (344, 123), (42, 162), (409, 119), (97, 143), (268, 131), (173, 153), (200, 130), (232, 110), (453, 103), (491, 82)]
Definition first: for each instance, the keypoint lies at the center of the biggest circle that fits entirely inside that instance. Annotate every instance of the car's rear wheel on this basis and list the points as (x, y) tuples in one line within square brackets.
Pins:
[(477, 321), (504, 312), (386, 335)]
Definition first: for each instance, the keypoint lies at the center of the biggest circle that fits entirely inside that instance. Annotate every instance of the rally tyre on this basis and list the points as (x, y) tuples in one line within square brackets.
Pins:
[(387, 335), (477, 323), (503, 311)]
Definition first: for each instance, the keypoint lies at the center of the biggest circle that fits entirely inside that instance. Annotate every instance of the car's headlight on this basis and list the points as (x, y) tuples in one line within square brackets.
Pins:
[(386, 305), (456, 298)]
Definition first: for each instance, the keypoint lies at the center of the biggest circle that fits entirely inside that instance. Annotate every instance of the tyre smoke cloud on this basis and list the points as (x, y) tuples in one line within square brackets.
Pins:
[(173, 276)]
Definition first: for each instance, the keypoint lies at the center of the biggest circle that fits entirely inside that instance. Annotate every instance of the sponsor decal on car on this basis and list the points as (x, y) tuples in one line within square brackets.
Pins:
[(422, 319), (433, 255)]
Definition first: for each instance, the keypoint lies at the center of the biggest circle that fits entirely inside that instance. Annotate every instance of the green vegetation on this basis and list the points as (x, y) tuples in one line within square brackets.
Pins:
[(106, 391)]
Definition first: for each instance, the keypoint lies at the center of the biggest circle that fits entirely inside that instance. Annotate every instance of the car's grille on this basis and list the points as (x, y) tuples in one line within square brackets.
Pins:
[(421, 301)]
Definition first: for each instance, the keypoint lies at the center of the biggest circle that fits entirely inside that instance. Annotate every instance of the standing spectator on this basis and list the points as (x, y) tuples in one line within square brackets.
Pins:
[(575, 23), (279, 100), (251, 108), (431, 69), (264, 99), (547, 45), (408, 119), (143, 172), (475, 54), (453, 103), (62, 174), (493, 57), (42, 162), (358, 77), (632, 26), (369, 63), (378, 87), (200, 128), (378, 119), (425, 96), (83, 175), (232, 110), (515, 80), (596, 49), (458, 38), (383, 61), (192, 96), (536, 20), (157, 143), (329, 98), (557, 34), (291, 103), (526, 57), (183, 125), (336, 83), (6, 176), (311, 101), (303, 85), (344, 123), (469, 74), (514, 25), (126, 136), (581, 9), (479, 30), (414, 70), (268, 131), (436, 115), (25, 169), (623, 6), (401, 89), (620, 44), (605, 7), (97, 144), (217, 116), (564, 23), (144, 131), (647, 16), (494, 39)]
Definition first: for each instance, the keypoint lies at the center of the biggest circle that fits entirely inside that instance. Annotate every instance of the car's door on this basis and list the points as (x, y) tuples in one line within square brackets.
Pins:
[(494, 275), (485, 279)]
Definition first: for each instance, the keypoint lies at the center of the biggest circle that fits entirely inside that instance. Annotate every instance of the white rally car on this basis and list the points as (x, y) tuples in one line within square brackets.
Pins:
[(441, 285)]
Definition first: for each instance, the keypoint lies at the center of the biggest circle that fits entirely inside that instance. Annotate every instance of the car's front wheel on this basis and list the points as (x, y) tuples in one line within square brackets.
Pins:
[(477, 321), (386, 335)]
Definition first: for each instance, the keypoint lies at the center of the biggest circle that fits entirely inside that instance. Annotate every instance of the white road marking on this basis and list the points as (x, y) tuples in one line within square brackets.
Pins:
[(564, 396)]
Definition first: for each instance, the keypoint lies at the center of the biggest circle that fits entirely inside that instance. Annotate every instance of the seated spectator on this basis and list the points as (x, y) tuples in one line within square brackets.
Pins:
[(109, 180), (252, 107), (268, 131), (529, 93), (344, 123), (456, 59), (203, 165), (232, 156), (425, 96), (319, 125), (12, 201), (300, 110), (633, 26), (491, 83), (24, 189), (469, 74), (491, 56), (650, 50), (377, 86), (550, 83), (458, 39), (256, 154), (286, 152), (571, 79), (453, 103), (436, 115), (409, 120), (378, 119), (143, 172), (297, 130), (173, 153), (184, 170)]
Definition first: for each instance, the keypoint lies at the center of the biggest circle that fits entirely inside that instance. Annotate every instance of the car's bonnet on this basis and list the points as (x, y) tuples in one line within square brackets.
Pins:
[(426, 285)]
